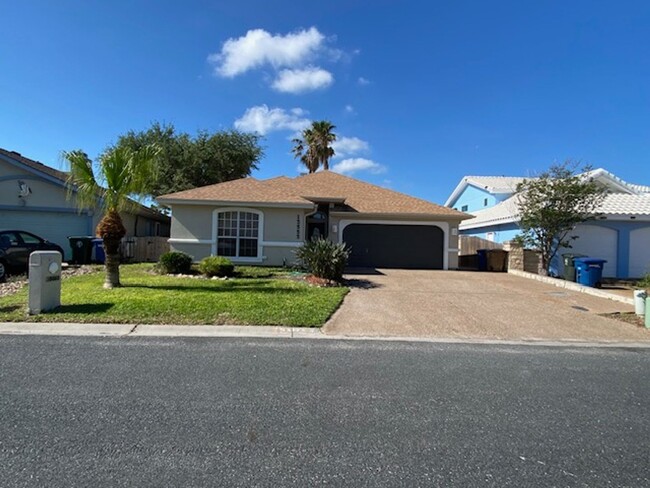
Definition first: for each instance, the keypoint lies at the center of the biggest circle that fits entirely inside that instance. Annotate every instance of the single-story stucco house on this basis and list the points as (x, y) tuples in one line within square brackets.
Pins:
[(264, 221), (33, 198), (619, 233)]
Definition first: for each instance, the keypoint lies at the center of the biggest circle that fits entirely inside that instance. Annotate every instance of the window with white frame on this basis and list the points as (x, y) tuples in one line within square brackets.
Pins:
[(237, 234)]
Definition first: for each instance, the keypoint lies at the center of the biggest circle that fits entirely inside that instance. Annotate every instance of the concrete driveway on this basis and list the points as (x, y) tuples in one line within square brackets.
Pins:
[(455, 304)]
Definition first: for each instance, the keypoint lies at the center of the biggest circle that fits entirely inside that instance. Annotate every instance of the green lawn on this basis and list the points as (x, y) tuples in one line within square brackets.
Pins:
[(259, 296)]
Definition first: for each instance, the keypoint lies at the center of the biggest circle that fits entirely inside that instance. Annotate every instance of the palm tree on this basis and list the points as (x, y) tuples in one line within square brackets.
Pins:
[(315, 147), (122, 174), (322, 138)]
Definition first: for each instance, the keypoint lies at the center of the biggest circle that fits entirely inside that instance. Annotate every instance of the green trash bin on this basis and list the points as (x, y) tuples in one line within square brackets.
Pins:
[(569, 265), (82, 247)]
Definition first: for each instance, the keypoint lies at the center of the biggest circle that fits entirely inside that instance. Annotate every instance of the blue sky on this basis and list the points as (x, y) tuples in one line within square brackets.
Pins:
[(423, 92)]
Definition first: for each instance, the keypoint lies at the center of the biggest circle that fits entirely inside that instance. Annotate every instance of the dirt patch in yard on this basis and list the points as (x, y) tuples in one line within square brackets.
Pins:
[(627, 317)]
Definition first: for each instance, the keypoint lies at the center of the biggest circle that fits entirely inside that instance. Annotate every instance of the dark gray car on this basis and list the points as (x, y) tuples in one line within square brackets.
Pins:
[(15, 248)]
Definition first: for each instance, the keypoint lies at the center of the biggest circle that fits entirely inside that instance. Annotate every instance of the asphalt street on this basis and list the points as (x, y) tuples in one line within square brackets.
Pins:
[(242, 412)]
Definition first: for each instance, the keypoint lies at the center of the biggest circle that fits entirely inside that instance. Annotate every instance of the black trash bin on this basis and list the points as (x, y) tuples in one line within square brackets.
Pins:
[(82, 247), (569, 265), (482, 259)]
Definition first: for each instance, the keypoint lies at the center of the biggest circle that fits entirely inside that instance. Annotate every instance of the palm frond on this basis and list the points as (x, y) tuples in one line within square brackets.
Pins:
[(82, 186)]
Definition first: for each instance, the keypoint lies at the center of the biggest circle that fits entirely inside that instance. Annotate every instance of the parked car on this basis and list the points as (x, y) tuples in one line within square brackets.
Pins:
[(15, 248)]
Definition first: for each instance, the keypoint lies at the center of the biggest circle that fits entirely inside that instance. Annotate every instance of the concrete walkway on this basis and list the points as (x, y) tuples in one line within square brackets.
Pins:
[(463, 304)]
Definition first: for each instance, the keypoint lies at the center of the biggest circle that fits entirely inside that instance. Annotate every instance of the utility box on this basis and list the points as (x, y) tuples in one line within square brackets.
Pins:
[(44, 281)]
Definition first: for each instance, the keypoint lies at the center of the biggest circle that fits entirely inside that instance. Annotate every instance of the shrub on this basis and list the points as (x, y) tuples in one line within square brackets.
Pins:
[(645, 282), (216, 266), (323, 258), (175, 262)]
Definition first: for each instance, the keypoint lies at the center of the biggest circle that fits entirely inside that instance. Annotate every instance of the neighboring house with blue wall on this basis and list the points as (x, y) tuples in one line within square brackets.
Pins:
[(33, 198), (621, 233)]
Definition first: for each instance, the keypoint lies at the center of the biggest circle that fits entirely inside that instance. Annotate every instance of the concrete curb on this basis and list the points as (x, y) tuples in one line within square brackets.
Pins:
[(571, 286), (270, 332)]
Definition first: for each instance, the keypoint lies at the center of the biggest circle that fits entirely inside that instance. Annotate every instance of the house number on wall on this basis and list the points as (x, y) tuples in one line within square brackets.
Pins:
[(298, 227)]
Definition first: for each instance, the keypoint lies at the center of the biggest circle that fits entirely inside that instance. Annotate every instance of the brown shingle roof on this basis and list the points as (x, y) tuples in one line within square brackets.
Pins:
[(55, 173), (358, 196)]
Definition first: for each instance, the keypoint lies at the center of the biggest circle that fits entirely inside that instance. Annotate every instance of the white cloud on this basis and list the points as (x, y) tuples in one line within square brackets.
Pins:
[(262, 119), (349, 109), (354, 165), (302, 80), (258, 47), (363, 81), (347, 146)]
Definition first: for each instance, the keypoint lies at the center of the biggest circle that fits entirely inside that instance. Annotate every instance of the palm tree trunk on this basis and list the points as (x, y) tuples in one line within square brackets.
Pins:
[(112, 266)]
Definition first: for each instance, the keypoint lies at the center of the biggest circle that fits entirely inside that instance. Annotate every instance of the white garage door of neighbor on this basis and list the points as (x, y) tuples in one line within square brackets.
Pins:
[(639, 252), (53, 226), (596, 242)]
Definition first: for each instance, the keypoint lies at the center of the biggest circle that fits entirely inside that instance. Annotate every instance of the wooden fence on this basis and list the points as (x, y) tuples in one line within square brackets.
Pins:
[(144, 249), (470, 244)]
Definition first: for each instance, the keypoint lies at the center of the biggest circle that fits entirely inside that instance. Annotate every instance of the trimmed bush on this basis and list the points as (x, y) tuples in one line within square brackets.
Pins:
[(175, 262), (216, 266), (323, 258)]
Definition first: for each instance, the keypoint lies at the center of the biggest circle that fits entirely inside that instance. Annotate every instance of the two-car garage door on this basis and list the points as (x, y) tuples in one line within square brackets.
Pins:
[(395, 246)]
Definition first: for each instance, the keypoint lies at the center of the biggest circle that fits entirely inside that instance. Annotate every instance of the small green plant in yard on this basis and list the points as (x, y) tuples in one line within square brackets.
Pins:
[(261, 272), (216, 266), (175, 263), (645, 282), (324, 259)]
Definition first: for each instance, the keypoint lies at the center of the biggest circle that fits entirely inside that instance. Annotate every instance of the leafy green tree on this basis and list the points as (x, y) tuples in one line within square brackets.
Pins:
[(188, 162), (552, 204), (314, 148), (122, 174)]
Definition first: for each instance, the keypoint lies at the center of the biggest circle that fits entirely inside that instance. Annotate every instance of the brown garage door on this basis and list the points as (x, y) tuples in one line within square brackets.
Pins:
[(395, 246)]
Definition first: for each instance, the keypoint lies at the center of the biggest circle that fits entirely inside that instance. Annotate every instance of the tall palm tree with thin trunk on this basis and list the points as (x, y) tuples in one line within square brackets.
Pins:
[(122, 175), (322, 139), (314, 148)]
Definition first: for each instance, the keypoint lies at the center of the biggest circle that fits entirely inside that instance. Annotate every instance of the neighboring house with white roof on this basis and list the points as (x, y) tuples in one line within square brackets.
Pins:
[(620, 234)]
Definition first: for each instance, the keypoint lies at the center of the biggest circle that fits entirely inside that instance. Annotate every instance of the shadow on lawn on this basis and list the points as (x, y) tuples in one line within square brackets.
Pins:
[(84, 308), (10, 308), (228, 287)]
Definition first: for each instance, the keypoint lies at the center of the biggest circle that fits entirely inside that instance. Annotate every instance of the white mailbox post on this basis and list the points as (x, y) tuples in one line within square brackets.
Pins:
[(44, 281)]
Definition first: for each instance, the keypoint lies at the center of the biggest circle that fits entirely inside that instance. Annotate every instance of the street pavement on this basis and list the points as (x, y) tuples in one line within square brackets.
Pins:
[(87, 411)]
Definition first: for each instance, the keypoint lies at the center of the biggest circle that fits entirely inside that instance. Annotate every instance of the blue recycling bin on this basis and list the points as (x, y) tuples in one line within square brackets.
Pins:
[(482, 259), (99, 256), (589, 271)]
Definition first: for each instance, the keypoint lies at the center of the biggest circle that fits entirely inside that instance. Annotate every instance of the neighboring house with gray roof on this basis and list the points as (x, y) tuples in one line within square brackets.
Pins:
[(621, 233), (33, 198), (264, 221)]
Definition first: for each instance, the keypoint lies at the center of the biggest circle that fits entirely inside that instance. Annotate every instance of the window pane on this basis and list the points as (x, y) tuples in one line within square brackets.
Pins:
[(248, 248), (226, 247), (29, 239), (248, 225)]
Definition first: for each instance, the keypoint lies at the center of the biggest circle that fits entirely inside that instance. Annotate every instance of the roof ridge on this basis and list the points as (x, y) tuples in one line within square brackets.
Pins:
[(375, 186)]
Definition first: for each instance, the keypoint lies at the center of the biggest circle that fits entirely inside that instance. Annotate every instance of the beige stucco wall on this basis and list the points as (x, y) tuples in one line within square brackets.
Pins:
[(282, 228), (191, 222), (197, 251)]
